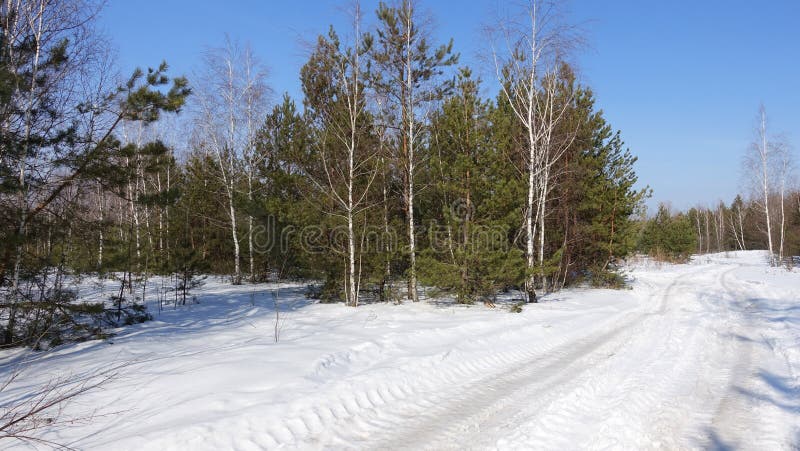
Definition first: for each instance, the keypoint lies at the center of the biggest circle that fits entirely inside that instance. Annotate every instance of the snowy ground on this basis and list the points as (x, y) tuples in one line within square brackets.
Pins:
[(703, 355)]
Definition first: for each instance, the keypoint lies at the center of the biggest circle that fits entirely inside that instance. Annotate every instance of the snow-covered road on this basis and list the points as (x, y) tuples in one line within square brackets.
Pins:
[(690, 367), (703, 355)]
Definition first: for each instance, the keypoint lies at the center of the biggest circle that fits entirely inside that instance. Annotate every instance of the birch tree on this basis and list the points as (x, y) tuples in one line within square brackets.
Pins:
[(720, 223), (556, 100), (783, 166), (737, 222), (232, 96), (526, 58), (698, 227), (255, 98), (334, 84), (764, 150), (407, 74), (384, 118), (759, 162)]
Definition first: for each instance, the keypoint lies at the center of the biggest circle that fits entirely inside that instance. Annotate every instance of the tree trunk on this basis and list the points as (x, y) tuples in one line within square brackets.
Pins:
[(250, 247), (412, 248), (530, 285), (542, 206), (741, 228), (783, 222), (351, 239), (160, 221), (22, 193), (764, 155), (409, 111), (387, 274), (101, 219), (237, 270), (351, 242), (699, 232)]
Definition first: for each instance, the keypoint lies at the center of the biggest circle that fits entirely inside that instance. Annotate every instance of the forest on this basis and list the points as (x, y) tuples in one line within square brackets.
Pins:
[(394, 178)]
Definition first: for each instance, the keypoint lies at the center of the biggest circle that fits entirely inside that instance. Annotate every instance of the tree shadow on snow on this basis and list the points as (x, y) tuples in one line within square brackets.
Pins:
[(218, 308), (777, 391), (715, 443), (782, 393)]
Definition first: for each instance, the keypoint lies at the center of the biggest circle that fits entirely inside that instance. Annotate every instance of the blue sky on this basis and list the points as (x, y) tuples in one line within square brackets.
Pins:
[(681, 79)]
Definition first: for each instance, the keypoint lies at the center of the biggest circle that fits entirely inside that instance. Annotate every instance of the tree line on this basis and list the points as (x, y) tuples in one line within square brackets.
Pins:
[(391, 178), (765, 216)]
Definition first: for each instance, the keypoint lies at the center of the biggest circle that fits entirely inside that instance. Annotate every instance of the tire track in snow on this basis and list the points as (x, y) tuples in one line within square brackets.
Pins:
[(732, 411), (633, 399), (488, 404), (353, 415), (738, 422)]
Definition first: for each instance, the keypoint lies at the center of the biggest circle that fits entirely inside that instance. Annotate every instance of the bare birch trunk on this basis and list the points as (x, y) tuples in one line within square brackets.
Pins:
[(699, 232), (716, 232), (542, 205), (783, 219), (388, 269), (741, 229), (412, 245), (237, 270), (36, 24), (101, 219), (160, 219), (764, 159), (250, 247), (532, 99), (530, 288)]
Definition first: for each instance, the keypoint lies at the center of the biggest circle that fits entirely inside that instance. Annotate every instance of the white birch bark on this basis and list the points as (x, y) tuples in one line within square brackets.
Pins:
[(784, 169), (699, 231), (529, 86), (411, 136), (34, 14), (357, 163), (101, 219), (255, 95), (519, 84), (764, 158), (741, 227), (231, 95), (708, 233)]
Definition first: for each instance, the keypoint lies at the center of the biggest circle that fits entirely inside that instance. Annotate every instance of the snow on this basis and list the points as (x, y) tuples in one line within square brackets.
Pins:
[(701, 355)]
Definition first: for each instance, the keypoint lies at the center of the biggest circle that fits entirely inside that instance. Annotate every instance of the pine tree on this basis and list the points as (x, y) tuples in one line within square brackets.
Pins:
[(668, 237), (468, 250), (54, 142), (285, 203), (608, 195)]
